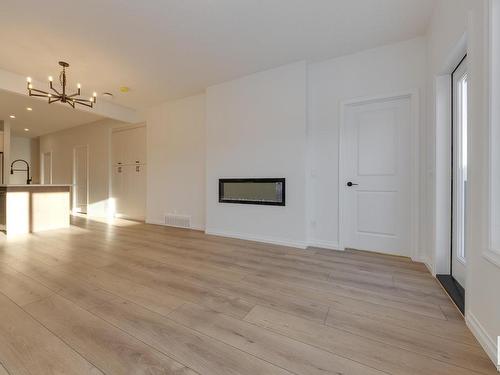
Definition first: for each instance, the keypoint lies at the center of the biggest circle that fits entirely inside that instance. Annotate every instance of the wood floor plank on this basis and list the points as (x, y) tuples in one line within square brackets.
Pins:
[(386, 299), (466, 356), (372, 353), (451, 330), (200, 352), (185, 290), (311, 310), (287, 353), (27, 347), (19, 288), (101, 343), (146, 296)]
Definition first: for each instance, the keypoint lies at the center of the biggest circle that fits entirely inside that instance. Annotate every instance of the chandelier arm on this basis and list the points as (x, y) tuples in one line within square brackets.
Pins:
[(73, 95), (71, 103), (86, 104), (81, 100), (39, 91), (54, 99), (57, 92), (39, 96)]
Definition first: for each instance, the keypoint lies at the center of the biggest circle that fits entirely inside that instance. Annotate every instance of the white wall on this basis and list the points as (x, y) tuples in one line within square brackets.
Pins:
[(256, 127), (452, 20), (387, 70), (98, 137), (176, 160), (20, 148)]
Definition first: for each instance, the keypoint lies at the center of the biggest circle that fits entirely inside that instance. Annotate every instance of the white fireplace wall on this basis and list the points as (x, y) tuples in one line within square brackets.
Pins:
[(256, 127)]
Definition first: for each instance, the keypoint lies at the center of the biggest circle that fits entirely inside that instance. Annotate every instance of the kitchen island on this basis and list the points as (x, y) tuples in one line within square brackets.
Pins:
[(34, 208)]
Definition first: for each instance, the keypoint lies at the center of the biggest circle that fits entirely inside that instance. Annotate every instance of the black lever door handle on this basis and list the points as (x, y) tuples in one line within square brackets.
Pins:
[(351, 184)]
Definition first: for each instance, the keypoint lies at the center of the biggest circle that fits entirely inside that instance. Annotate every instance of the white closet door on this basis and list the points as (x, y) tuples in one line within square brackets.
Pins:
[(135, 177), (117, 190), (129, 172)]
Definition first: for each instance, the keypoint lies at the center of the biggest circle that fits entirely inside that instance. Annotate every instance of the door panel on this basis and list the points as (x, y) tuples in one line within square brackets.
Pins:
[(377, 143), (376, 158), (377, 211)]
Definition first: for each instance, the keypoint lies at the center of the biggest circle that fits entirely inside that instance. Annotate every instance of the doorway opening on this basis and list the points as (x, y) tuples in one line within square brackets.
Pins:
[(80, 179), (46, 168), (455, 282)]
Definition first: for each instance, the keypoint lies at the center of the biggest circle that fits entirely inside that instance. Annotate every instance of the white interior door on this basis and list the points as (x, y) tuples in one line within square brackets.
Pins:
[(459, 158), (376, 165), (46, 168), (80, 179)]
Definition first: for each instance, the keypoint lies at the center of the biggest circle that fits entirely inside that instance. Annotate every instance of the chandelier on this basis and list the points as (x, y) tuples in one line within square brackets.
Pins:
[(63, 97)]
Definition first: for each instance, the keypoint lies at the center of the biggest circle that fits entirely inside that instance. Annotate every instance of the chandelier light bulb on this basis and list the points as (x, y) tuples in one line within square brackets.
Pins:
[(49, 95), (94, 94), (50, 78), (78, 86), (30, 86), (28, 79)]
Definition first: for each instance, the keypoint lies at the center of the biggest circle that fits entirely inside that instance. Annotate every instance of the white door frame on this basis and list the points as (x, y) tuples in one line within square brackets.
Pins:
[(414, 97), (74, 177), (42, 167)]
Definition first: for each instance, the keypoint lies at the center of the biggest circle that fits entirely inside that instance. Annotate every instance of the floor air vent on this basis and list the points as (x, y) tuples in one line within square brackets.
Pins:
[(181, 221)]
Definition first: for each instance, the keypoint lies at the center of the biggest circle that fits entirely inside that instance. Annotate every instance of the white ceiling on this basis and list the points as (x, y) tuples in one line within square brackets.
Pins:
[(44, 118), (166, 49)]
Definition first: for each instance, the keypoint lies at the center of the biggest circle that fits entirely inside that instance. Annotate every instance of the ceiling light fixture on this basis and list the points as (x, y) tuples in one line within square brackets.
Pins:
[(63, 97), (12, 116), (26, 130), (29, 108)]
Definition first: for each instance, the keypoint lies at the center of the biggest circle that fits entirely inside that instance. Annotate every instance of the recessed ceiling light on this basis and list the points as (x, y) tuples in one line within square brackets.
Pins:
[(124, 89), (26, 130), (12, 116), (29, 108)]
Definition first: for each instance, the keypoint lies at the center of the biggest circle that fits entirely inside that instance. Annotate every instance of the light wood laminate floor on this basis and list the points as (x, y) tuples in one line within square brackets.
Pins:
[(131, 298)]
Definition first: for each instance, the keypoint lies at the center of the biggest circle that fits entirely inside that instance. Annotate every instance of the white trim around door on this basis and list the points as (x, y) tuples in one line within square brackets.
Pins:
[(46, 180), (75, 207), (414, 98)]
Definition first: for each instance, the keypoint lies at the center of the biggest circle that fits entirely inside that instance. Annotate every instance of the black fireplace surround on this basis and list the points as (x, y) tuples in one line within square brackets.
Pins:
[(259, 191)]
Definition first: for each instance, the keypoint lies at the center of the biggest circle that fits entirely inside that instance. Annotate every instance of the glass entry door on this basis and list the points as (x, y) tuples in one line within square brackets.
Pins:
[(459, 174)]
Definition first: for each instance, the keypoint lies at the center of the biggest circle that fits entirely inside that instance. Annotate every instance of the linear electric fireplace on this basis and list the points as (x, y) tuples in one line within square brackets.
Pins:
[(264, 191)]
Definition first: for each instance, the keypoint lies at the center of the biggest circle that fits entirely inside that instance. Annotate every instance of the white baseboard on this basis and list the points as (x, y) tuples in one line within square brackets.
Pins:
[(489, 345), (249, 237), (329, 245), (425, 260), (193, 227)]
